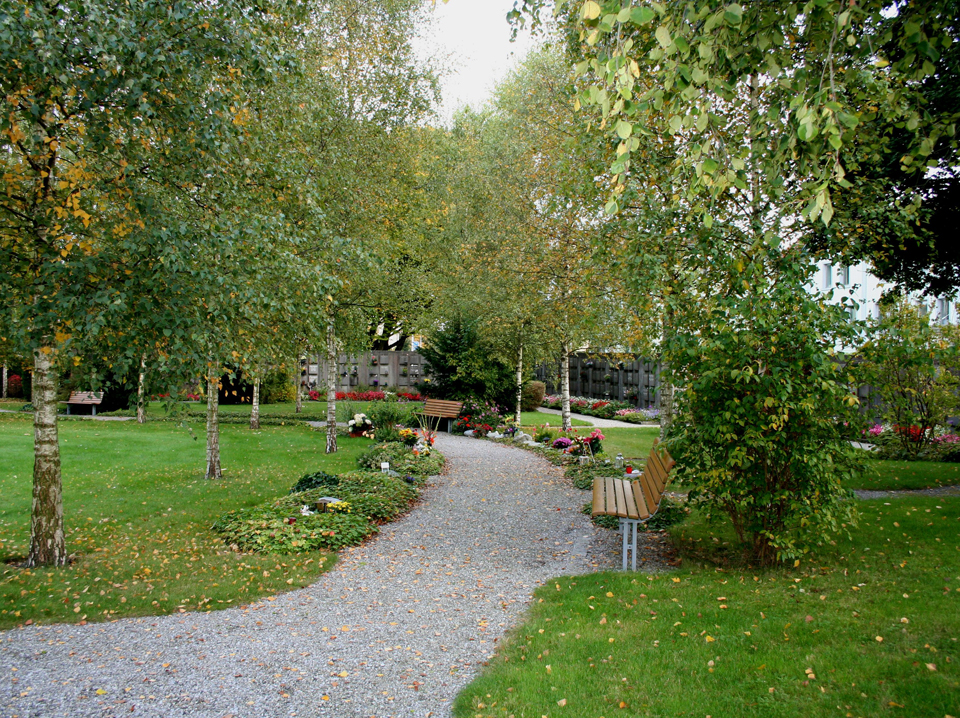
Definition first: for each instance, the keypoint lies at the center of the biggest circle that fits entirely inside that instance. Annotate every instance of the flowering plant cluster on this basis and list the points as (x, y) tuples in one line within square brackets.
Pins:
[(409, 437), (562, 443), (408, 396), (360, 425), (361, 396), (602, 408), (314, 395), (480, 417)]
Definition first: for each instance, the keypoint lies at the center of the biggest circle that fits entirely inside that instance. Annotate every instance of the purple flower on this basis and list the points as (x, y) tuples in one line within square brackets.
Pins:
[(562, 443)]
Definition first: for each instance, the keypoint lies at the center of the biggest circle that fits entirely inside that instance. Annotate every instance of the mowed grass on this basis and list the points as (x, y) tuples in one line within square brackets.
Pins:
[(533, 419), (138, 514), (869, 627), (900, 475)]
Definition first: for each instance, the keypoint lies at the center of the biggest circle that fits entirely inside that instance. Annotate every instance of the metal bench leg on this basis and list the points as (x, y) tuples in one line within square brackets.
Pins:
[(628, 531)]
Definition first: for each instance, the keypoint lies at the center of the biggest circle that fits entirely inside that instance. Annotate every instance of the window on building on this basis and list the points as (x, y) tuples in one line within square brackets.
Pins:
[(943, 310), (827, 276), (843, 276)]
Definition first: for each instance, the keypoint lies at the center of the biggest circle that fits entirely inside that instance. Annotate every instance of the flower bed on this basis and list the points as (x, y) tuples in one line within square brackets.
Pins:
[(604, 409)]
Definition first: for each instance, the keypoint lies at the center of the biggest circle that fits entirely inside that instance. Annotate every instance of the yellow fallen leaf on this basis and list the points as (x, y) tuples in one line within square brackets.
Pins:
[(549, 668), (562, 702), (100, 691), (609, 594), (343, 674), (710, 639), (676, 580), (879, 639), (932, 666)]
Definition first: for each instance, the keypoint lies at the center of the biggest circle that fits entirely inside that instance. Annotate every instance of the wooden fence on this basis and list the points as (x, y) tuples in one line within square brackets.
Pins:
[(376, 369)]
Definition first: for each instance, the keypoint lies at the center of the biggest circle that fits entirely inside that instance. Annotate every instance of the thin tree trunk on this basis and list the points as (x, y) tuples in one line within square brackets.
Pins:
[(4, 381), (519, 380), (47, 542), (213, 428), (255, 408), (565, 386), (331, 387), (141, 410), (665, 388), (298, 383)]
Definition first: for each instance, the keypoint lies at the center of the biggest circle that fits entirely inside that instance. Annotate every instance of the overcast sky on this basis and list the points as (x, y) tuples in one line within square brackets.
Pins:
[(471, 39)]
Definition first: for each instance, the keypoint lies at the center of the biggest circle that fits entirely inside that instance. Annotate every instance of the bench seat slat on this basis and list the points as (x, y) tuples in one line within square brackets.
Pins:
[(621, 498), (442, 408), (599, 504), (632, 512), (610, 496), (638, 497)]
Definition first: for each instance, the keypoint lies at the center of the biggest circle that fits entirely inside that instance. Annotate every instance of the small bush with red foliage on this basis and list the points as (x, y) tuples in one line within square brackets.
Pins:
[(314, 395), (14, 386), (914, 433), (407, 396)]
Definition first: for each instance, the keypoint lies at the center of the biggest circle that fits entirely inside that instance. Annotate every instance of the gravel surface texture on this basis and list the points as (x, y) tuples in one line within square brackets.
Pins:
[(396, 628), (865, 494)]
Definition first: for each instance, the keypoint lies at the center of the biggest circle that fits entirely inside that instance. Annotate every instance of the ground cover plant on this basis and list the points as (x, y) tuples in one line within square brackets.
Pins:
[(866, 627), (138, 517), (402, 459)]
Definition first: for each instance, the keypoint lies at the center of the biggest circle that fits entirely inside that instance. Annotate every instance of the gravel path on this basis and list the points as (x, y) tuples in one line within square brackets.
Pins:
[(594, 421), (397, 628)]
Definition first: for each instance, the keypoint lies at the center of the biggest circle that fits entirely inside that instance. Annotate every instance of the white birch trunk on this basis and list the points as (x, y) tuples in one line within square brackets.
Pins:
[(331, 387), (255, 407), (47, 541), (519, 380), (298, 385), (565, 386), (665, 388), (4, 381), (213, 428), (141, 409)]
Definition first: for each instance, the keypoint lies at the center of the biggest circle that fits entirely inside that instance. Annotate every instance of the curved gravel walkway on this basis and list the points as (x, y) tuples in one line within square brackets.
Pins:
[(397, 628)]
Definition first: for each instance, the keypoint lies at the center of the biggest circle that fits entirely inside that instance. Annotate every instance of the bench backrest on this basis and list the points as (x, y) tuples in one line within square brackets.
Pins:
[(443, 409), (85, 397), (638, 499)]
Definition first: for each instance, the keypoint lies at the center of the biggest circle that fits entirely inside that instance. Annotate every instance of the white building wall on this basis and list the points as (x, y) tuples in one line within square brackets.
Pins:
[(858, 283)]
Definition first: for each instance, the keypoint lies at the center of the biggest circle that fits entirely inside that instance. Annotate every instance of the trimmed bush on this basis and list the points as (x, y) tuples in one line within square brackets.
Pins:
[(532, 396), (319, 479)]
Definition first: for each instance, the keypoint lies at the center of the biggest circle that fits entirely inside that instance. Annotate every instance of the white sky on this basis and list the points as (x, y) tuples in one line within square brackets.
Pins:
[(471, 41)]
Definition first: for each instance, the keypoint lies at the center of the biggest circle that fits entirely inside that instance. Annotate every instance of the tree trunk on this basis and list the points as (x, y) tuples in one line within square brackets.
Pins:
[(47, 542), (141, 410), (4, 381), (213, 429), (665, 388), (298, 384), (331, 387), (255, 407), (565, 386), (519, 380)]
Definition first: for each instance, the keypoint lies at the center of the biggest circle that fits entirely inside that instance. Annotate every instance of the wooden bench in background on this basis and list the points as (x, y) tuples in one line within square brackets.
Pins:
[(633, 501), (439, 410), (85, 398)]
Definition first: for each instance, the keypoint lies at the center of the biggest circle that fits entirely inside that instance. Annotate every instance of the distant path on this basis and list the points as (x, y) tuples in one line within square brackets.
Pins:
[(397, 628), (594, 421)]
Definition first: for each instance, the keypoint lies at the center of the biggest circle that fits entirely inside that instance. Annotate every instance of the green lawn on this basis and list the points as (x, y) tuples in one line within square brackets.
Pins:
[(632, 443), (869, 627), (533, 419), (882, 475), (138, 515)]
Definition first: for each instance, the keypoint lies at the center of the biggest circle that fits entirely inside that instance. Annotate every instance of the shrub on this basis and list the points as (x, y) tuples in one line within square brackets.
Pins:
[(912, 364), (464, 365), (480, 416), (532, 395), (361, 396), (759, 402), (267, 528), (277, 388), (319, 479), (14, 386), (386, 415)]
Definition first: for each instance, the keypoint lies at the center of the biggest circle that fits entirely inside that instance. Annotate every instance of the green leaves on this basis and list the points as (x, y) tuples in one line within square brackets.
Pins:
[(642, 15), (663, 36)]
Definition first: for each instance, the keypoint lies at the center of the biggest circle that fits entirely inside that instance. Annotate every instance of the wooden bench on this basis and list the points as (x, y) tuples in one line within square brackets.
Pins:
[(439, 409), (85, 398), (633, 501)]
